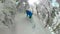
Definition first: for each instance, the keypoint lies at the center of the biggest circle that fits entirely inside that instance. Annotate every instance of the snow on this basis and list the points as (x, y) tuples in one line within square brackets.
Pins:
[(24, 25)]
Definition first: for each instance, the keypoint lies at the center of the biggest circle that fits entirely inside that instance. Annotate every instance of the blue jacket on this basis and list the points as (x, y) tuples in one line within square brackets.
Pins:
[(29, 13)]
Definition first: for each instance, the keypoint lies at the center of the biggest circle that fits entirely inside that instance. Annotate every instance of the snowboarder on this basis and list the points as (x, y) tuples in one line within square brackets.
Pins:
[(29, 13)]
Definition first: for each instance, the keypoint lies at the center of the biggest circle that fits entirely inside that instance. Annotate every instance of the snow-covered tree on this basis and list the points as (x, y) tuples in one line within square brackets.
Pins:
[(7, 14)]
